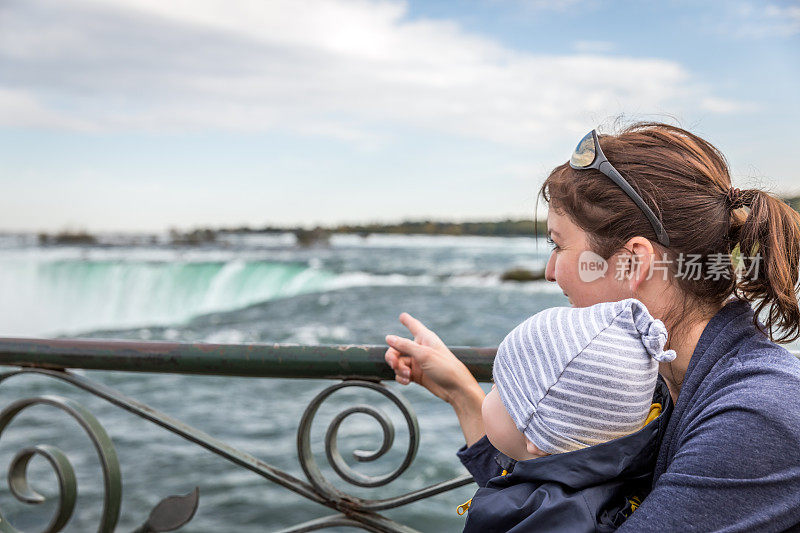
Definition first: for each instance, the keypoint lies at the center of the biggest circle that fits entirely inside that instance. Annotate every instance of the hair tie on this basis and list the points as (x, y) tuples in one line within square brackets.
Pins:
[(735, 198)]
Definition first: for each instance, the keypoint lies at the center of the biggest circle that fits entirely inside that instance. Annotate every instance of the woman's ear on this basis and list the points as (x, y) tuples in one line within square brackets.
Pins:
[(640, 256)]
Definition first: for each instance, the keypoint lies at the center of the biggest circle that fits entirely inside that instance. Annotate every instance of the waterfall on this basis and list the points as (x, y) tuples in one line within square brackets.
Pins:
[(62, 296)]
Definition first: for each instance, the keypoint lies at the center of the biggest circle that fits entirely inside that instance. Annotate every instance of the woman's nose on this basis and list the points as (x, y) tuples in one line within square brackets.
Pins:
[(550, 269)]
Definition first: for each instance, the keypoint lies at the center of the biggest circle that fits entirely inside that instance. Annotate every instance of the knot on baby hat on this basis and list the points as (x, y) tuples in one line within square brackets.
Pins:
[(576, 377), (653, 332)]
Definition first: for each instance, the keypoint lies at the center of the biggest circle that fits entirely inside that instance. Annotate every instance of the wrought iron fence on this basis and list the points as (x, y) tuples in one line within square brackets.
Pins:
[(351, 366)]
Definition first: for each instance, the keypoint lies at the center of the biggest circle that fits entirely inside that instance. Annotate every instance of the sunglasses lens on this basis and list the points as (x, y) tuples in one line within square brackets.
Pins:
[(584, 153)]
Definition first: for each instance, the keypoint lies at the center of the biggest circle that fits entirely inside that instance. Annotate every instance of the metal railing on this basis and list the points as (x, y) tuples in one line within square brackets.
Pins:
[(352, 366)]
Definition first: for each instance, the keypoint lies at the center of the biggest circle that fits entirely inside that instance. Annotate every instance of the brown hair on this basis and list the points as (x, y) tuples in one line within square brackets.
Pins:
[(685, 181)]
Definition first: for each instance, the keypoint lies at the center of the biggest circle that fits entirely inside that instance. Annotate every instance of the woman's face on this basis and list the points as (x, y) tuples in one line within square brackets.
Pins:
[(576, 269)]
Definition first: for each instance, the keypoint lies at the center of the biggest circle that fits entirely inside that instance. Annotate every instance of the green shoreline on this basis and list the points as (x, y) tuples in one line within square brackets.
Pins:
[(321, 234)]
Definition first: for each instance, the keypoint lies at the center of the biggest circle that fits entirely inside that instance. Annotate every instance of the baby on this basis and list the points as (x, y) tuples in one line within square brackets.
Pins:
[(571, 405)]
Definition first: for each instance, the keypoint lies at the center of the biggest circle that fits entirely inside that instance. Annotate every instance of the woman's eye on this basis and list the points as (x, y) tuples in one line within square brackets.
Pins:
[(552, 243)]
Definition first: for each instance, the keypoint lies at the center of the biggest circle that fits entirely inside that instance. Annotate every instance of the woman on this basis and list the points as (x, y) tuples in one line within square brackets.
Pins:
[(656, 203)]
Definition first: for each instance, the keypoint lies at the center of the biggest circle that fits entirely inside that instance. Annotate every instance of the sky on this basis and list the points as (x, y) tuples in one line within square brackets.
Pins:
[(144, 115)]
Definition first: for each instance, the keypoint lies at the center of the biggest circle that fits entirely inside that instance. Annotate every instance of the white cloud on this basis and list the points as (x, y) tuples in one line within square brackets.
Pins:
[(764, 20), (725, 106), (594, 47), (21, 109), (787, 18), (557, 5), (341, 69)]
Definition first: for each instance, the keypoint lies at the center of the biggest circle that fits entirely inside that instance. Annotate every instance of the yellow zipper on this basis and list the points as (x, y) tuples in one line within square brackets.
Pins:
[(464, 507)]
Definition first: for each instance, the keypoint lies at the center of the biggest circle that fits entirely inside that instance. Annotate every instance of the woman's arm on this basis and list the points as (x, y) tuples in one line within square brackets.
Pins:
[(428, 361), (467, 405)]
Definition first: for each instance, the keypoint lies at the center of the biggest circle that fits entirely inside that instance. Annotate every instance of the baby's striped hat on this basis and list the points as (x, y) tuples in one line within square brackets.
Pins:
[(576, 377)]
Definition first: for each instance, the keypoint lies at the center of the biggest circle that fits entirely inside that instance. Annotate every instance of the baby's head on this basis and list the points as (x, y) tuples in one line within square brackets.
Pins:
[(568, 378)]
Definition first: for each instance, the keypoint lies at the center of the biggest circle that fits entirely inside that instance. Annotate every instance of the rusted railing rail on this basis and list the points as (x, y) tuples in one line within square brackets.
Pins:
[(249, 360), (352, 366)]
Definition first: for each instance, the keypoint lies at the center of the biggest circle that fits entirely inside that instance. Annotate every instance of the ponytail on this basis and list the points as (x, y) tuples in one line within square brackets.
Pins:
[(769, 245)]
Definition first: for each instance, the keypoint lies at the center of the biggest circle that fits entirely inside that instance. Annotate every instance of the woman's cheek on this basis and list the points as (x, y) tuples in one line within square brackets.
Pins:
[(566, 274)]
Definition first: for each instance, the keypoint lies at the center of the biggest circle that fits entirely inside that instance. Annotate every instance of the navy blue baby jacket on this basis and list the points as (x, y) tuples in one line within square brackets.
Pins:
[(585, 490)]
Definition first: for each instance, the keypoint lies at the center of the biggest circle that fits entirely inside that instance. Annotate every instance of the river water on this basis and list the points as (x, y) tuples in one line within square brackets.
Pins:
[(242, 289)]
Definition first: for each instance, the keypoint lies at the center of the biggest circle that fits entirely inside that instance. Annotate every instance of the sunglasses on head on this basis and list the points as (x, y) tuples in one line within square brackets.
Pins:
[(588, 154)]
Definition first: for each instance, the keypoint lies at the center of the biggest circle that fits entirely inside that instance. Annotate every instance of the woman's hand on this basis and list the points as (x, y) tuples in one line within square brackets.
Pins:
[(428, 361)]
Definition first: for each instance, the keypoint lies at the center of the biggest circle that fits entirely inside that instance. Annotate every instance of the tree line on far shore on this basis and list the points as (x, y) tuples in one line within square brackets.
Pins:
[(320, 234)]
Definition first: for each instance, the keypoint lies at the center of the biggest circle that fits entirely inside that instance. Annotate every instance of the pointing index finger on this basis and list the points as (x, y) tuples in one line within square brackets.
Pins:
[(414, 326), (405, 346)]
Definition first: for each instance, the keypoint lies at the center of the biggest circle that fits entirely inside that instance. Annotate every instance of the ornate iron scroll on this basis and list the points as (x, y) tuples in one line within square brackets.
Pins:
[(352, 511), (331, 449), (17, 473)]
